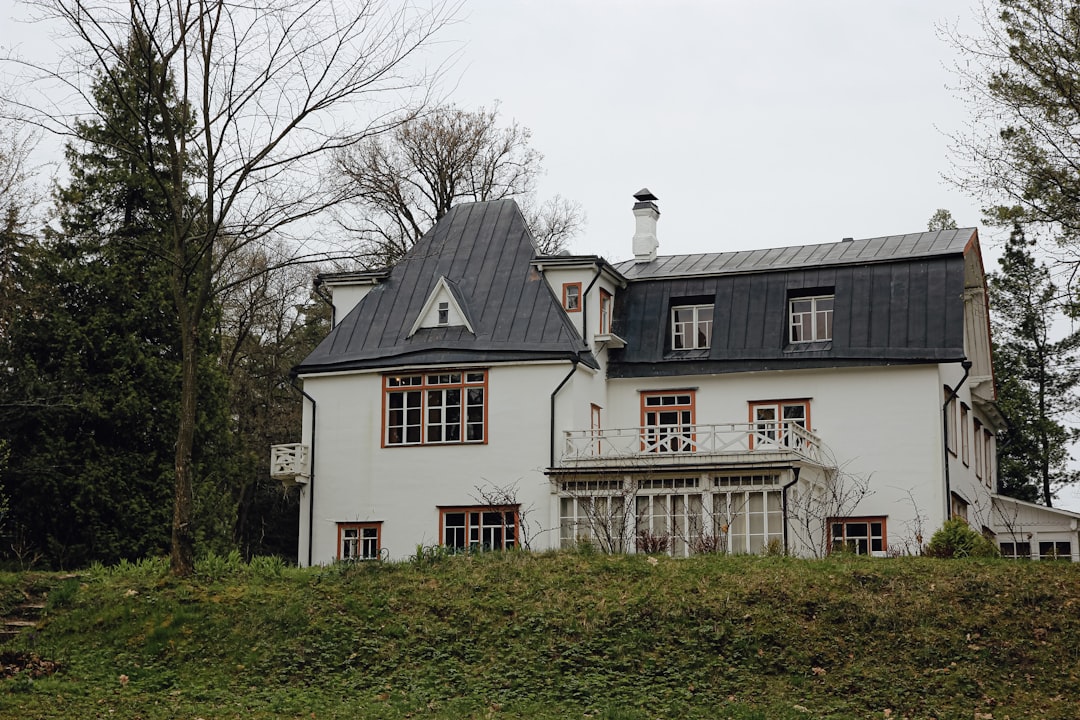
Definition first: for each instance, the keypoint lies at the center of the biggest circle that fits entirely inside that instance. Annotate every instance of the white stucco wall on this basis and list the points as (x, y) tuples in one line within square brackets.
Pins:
[(357, 480), (879, 423)]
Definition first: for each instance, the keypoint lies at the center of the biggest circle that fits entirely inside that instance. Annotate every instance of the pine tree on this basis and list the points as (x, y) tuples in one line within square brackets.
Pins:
[(98, 379), (1036, 376)]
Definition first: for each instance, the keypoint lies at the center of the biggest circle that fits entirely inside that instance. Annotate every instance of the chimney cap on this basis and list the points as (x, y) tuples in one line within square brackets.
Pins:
[(644, 195), (847, 240)]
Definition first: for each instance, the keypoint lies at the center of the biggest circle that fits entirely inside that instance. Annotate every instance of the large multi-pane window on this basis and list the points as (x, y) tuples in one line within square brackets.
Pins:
[(691, 327), (358, 541), (859, 535), (746, 520), (598, 519), (436, 408), (479, 528), (668, 523), (811, 318), (667, 420)]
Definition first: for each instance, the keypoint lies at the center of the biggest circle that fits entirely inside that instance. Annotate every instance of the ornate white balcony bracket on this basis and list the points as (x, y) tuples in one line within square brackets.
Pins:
[(290, 463)]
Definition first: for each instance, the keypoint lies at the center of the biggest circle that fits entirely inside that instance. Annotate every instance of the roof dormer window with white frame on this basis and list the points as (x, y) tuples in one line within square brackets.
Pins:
[(691, 327), (810, 318)]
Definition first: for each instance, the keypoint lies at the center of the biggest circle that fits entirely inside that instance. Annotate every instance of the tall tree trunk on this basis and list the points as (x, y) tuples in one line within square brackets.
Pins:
[(182, 557)]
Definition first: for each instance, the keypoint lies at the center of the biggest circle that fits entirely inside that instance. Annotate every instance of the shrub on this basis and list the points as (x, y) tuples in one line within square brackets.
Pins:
[(957, 539)]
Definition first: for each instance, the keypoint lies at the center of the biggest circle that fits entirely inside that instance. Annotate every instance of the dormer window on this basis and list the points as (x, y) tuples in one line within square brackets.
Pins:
[(571, 297), (691, 327), (811, 318), (444, 313)]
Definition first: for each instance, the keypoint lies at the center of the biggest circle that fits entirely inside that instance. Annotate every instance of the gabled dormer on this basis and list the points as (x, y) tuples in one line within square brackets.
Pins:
[(444, 308), (586, 286)]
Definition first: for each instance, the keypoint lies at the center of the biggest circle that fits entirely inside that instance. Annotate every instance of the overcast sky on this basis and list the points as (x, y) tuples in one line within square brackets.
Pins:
[(757, 124)]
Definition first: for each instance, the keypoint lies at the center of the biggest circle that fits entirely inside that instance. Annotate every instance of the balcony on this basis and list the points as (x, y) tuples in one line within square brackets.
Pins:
[(290, 463), (783, 441)]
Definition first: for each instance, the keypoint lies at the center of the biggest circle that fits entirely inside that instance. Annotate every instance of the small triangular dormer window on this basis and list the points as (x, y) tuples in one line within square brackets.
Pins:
[(442, 309)]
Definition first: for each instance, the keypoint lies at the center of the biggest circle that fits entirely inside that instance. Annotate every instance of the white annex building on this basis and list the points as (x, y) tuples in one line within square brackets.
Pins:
[(478, 395)]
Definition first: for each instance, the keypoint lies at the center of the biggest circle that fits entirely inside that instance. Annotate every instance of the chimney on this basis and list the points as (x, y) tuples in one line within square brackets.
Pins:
[(645, 215)]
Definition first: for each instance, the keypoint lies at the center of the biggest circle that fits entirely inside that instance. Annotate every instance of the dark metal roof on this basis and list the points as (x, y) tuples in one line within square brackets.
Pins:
[(485, 252), (870, 250), (909, 309)]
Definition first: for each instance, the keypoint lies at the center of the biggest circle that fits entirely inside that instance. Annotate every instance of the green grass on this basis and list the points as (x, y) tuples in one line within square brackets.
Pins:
[(561, 636)]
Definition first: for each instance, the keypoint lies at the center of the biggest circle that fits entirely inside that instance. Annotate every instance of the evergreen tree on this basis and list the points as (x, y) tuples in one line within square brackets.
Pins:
[(1036, 376), (96, 394)]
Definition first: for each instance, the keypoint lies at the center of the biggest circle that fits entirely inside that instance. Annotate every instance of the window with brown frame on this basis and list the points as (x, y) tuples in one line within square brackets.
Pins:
[(481, 527), (359, 541), (607, 306), (988, 458), (667, 421), (859, 535), (435, 408), (965, 441), (775, 421), (571, 297)]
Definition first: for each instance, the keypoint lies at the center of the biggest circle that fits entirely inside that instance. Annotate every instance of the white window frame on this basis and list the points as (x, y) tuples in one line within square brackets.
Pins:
[(694, 333), (813, 324)]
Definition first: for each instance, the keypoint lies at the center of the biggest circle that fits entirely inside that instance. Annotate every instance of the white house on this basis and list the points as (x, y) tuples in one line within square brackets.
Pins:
[(806, 398)]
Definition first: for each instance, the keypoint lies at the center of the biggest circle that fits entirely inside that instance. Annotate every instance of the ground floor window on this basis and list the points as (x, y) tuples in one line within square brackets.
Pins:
[(859, 535), (669, 523), (1016, 551), (747, 521), (599, 520), (359, 541), (1059, 550), (680, 516), (479, 528)]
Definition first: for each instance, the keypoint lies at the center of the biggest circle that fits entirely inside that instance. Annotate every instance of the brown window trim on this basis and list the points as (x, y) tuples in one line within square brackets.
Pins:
[(361, 526), (867, 519), (565, 297), (607, 299), (423, 387), (467, 509)]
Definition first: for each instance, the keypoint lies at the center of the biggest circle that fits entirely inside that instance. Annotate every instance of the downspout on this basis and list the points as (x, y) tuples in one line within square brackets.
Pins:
[(966, 364), (783, 499), (311, 470), (573, 369)]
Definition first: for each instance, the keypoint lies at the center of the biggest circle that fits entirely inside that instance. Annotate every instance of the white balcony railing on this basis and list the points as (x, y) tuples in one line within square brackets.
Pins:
[(653, 443), (290, 463)]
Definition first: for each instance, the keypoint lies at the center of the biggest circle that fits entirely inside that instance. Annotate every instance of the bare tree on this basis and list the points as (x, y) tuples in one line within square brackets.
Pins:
[(269, 92), (814, 505), (405, 180)]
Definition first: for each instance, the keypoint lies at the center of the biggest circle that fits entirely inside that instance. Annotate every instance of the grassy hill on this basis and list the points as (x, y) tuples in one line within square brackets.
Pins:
[(566, 635)]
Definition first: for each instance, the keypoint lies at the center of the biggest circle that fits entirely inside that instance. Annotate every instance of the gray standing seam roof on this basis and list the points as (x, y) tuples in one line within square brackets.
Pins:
[(485, 251), (897, 300), (869, 250)]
